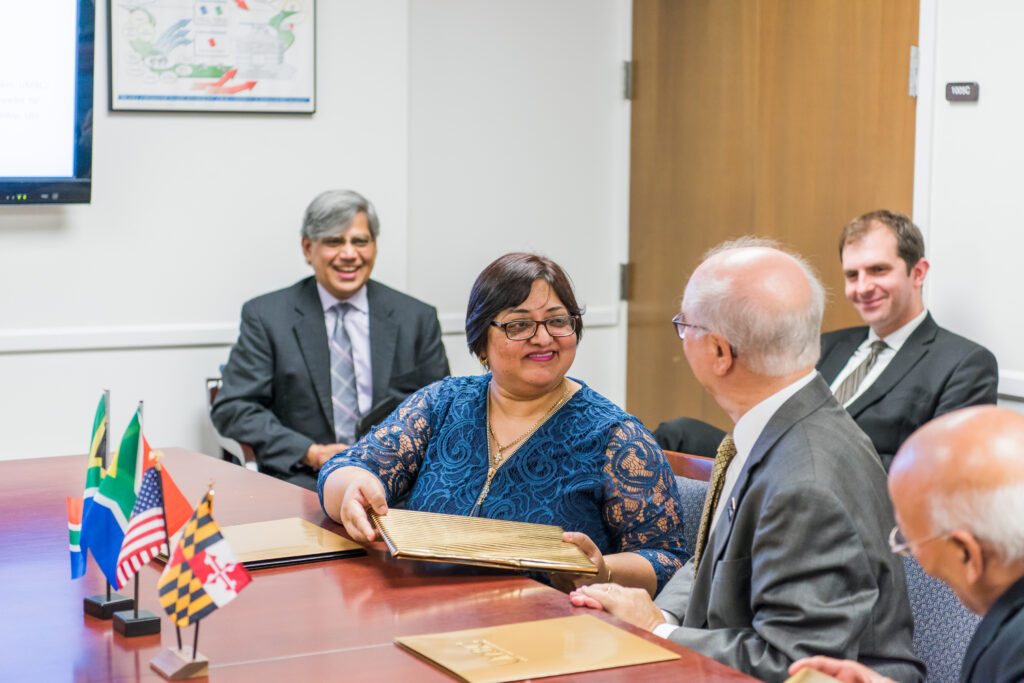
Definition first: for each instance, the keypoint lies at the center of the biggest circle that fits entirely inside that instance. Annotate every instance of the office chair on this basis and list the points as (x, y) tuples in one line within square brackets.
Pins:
[(689, 435), (943, 627), (232, 450), (692, 475)]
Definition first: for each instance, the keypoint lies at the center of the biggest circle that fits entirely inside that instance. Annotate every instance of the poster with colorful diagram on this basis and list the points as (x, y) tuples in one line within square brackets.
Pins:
[(213, 55)]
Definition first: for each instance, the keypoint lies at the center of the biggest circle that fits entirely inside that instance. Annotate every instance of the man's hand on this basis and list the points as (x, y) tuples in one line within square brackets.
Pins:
[(844, 670), (632, 605), (319, 453), (362, 491)]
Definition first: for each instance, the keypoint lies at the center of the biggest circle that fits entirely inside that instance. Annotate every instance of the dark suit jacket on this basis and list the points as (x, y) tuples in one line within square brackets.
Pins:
[(801, 566), (933, 373), (996, 652), (276, 392)]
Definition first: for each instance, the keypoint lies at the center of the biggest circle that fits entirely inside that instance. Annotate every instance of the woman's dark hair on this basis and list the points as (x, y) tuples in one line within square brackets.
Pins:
[(506, 283)]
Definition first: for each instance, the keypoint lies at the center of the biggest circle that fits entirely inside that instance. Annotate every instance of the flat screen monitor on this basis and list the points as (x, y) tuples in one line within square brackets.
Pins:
[(46, 49)]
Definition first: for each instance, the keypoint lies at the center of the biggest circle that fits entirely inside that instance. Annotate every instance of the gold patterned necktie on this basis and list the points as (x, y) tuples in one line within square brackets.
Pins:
[(723, 456)]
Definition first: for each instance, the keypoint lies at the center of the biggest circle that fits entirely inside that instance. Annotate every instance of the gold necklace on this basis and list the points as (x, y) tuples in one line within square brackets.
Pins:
[(496, 460)]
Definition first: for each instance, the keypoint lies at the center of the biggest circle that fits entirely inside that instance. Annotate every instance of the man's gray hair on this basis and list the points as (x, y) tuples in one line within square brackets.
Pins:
[(769, 341), (995, 516), (331, 214)]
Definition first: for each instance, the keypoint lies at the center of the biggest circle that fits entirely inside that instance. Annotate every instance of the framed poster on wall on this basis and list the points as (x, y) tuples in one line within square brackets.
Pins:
[(253, 56)]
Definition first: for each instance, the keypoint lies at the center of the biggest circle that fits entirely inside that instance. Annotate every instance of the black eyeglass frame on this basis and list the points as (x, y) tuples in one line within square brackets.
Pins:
[(536, 326)]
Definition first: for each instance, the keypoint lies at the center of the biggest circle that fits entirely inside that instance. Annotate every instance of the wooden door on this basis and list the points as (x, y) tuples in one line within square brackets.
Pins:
[(780, 118)]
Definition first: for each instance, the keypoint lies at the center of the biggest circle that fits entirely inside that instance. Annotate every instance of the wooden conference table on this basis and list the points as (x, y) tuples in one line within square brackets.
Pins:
[(331, 620)]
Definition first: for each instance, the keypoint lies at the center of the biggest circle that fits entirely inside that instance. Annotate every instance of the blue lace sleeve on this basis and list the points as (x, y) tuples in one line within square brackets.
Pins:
[(642, 504), (393, 450)]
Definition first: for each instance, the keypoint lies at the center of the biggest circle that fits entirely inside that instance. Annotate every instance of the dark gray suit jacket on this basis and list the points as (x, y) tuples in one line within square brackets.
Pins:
[(276, 392), (996, 652), (933, 373), (802, 565)]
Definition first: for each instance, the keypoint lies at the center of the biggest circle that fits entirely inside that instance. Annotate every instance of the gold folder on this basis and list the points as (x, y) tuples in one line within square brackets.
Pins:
[(282, 542), (533, 649), (811, 676), (480, 541)]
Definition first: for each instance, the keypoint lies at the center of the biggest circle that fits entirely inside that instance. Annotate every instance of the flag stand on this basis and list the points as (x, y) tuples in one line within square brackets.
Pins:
[(181, 663), (184, 662), (132, 623), (104, 607)]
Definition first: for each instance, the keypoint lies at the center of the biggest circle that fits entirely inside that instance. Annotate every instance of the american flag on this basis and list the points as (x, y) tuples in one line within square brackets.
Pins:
[(146, 535)]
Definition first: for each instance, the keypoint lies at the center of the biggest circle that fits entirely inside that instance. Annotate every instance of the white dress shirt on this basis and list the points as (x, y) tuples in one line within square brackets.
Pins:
[(744, 434), (357, 325), (894, 340)]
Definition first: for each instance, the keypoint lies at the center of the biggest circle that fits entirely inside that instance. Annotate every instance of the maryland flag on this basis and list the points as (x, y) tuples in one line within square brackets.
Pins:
[(79, 507), (203, 573)]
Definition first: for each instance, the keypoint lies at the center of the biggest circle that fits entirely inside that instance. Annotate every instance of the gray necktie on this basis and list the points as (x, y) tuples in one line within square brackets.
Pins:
[(849, 386), (344, 396)]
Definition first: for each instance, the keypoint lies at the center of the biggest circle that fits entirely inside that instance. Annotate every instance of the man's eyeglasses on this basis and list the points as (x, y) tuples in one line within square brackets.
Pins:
[(681, 326), (521, 330), (357, 242), (899, 545)]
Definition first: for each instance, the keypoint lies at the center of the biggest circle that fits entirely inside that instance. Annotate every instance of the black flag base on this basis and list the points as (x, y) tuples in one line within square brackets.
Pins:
[(104, 606), (131, 623), (178, 664)]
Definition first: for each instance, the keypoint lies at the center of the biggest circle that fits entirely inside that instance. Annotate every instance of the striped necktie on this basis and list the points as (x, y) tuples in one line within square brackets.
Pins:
[(726, 452), (848, 387), (343, 378)]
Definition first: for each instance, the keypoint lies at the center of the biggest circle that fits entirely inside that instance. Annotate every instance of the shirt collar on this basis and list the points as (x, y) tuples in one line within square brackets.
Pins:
[(752, 423), (900, 336), (358, 301)]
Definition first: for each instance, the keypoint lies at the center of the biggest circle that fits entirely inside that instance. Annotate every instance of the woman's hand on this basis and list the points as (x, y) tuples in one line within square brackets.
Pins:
[(567, 582), (358, 490)]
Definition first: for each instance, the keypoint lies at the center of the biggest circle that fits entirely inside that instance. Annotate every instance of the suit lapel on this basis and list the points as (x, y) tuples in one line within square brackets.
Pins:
[(1004, 608), (383, 340), (912, 351), (797, 407), (311, 335), (840, 353)]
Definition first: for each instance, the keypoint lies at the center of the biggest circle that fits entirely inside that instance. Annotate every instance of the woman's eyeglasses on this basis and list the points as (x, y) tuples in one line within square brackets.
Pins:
[(521, 330)]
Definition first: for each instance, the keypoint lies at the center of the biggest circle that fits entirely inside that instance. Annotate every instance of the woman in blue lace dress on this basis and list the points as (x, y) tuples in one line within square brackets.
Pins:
[(522, 442)]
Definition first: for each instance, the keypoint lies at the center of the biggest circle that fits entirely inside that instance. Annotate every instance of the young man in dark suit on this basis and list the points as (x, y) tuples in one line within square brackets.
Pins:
[(958, 488), (791, 558), (900, 369), (313, 358)]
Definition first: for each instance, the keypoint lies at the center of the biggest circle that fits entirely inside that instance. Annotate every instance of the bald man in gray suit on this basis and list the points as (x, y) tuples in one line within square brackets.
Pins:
[(794, 559)]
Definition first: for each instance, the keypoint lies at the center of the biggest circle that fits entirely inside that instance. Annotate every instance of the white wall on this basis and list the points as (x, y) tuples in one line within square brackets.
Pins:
[(519, 141), (968, 194), (140, 291), (460, 119)]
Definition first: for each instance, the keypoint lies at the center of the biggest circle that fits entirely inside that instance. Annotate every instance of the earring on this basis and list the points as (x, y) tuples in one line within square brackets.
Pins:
[(483, 362)]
